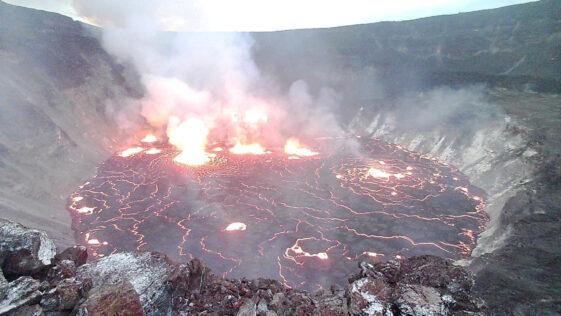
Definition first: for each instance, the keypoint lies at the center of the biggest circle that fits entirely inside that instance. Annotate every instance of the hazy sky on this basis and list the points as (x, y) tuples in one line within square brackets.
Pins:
[(255, 15)]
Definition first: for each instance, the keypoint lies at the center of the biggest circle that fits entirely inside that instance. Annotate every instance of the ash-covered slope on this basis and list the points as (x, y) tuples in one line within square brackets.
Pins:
[(55, 82)]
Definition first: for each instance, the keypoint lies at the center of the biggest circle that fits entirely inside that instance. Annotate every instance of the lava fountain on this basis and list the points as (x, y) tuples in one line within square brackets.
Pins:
[(249, 212)]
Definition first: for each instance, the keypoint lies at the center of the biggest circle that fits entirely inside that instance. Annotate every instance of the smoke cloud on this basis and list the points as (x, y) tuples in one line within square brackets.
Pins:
[(205, 79), (213, 79)]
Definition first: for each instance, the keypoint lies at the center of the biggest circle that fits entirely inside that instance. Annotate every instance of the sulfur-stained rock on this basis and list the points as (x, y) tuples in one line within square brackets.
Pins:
[(78, 254), (24, 251), (111, 299), (20, 292)]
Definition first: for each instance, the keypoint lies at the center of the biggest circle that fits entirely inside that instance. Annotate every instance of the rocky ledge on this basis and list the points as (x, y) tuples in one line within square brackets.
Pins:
[(35, 280)]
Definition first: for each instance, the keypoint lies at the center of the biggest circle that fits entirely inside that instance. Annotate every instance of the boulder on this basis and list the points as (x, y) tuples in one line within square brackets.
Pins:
[(27, 310), (333, 302), (78, 254), (147, 272), (370, 296), (435, 272), (3, 285), (61, 270), (419, 300), (112, 299), (248, 308), (20, 292), (24, 251), (64, 296)]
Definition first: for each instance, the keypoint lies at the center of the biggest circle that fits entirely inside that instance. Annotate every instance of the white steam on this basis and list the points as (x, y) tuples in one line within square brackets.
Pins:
[(204, 77)]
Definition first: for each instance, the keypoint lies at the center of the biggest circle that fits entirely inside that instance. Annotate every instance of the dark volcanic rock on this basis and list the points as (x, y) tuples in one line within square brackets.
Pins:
[(65, 295), (61, 270), (419, 300), (423, 285), (20, 292), (24, 251), (435, 272), (27, 310), (524, 276), (78, 254), (370, 296), (3, 285), (333, 302), (147, 272), (112, 299)]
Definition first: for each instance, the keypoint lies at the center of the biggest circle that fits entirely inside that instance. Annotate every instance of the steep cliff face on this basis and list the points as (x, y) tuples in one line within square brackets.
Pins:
[(512, 154), (55, 83), (491, 137)]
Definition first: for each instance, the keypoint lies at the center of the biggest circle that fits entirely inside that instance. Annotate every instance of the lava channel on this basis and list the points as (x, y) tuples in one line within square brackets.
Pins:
[(303, 221)]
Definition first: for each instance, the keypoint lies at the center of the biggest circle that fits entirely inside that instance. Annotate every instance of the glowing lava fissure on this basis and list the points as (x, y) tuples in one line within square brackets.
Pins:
[(305, 222)]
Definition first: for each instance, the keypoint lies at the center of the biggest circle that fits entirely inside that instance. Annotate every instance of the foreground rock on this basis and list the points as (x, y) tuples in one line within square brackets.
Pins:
[(147, 273), (24, 251), (20, 292), (118, 299), (149, 283)]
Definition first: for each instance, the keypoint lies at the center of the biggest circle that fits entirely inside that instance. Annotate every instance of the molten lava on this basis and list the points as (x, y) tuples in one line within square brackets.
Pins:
[(294, 148), (235, 226), (131, 151), (190, 137), (243, 149), (377, 173), (254, 117), (149, 138), (311, 220), (153, 151)]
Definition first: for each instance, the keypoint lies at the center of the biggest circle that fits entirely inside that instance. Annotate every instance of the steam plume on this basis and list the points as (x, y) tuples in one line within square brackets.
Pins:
[(210, 78)]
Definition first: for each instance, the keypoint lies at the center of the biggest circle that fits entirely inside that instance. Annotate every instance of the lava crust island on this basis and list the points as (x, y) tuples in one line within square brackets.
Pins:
[(304, 220)]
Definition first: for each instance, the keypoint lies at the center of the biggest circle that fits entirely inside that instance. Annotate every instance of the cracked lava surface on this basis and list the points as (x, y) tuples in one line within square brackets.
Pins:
[(303, 220)]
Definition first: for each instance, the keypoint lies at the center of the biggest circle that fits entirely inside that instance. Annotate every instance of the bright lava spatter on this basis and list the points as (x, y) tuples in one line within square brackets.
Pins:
[(303, 221)]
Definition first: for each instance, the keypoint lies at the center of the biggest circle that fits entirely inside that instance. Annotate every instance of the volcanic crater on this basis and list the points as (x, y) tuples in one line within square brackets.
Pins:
[(303, 220)]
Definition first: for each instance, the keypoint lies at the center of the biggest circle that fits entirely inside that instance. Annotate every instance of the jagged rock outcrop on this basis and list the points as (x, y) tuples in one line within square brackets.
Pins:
[(423, 285), (20, 292), (149, 283), (3, 285), (147, 272), (24, 251), (77, 254), (114, 299), (64, 296)]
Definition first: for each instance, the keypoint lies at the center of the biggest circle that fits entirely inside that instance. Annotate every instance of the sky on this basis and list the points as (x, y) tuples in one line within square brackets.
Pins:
[(255, 15)]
